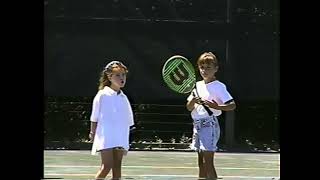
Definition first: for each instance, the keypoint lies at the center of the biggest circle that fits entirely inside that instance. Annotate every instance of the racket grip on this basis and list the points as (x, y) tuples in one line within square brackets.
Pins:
[(208, 110)]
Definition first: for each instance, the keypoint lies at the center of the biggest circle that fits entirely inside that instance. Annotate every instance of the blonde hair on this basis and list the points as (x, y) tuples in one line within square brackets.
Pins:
[(206, 58), (108, 70)]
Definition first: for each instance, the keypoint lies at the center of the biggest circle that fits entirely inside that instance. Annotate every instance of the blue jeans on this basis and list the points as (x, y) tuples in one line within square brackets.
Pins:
[(206, 134)]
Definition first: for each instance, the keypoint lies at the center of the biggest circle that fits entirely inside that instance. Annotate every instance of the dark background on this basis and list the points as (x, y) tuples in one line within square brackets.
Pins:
[(81, 37)]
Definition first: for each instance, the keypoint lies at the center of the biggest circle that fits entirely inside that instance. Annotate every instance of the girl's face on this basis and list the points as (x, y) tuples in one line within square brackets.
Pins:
[(118, 78), (208, 70)]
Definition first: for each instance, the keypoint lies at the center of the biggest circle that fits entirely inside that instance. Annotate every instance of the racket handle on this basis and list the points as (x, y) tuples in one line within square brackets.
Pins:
[(205, 107), (208, 110)]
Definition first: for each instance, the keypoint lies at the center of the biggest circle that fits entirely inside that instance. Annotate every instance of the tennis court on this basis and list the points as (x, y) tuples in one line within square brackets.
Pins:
[(162, 165)]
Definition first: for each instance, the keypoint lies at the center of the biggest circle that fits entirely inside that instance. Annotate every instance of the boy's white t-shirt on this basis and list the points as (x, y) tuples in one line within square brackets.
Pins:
[(214, 90), (114, 116)]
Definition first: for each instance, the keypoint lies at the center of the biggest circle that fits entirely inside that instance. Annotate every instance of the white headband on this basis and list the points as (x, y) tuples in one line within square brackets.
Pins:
[(112, 63)]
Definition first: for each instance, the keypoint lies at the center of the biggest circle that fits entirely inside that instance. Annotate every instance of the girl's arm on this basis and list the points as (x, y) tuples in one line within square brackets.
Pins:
[(94, 116), (93, 127)]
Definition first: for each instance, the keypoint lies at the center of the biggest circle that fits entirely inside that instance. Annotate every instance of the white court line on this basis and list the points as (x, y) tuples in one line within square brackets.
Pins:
[(48, 152), (164, 167), (168, 175), (217, 153)]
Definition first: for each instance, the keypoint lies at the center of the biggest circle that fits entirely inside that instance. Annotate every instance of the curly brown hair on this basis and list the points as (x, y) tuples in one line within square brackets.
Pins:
[(108, 70)]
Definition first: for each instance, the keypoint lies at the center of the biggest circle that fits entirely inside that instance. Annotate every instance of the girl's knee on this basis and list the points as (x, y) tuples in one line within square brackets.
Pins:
[(106, 167), (201, 164)]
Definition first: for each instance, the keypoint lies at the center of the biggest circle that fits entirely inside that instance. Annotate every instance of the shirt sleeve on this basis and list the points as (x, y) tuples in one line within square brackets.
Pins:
[(95, 108), (223, 94), (130, 118)]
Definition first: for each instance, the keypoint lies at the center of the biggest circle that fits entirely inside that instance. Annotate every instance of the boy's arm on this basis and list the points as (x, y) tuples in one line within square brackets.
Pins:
[(223, 94), (192, 99), (190, 104), (229, 106)]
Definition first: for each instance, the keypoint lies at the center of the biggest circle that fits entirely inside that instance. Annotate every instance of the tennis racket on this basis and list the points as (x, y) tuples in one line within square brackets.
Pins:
[(179, 75)]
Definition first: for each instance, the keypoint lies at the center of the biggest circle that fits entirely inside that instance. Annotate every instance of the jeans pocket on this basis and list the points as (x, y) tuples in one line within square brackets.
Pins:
[(208, 123)]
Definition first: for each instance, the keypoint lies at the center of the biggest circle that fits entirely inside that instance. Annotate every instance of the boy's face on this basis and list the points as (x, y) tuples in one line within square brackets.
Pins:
[(207, 70)]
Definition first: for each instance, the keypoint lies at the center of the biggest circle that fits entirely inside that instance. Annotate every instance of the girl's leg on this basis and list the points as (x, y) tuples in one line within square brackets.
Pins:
[(106, 163), (209, 165), (202, 170), (117, 160)]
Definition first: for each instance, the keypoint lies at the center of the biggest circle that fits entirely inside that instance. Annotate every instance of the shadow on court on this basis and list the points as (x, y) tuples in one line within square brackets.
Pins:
[(162, 165)]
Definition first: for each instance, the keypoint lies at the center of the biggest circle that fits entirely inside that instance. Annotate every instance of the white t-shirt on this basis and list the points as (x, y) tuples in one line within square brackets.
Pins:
[(114, 116), (214, 90)]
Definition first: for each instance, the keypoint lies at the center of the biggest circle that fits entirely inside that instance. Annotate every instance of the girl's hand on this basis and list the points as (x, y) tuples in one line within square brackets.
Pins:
[(212, 104), (91, 136)]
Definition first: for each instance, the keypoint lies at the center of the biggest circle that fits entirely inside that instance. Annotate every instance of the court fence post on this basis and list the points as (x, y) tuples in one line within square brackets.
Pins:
[(230, 116)]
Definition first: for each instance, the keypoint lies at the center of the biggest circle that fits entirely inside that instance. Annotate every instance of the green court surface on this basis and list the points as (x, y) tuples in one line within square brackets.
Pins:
[(163, 165)]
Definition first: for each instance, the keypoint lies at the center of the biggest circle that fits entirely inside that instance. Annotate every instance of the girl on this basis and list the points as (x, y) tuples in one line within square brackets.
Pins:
[(111, 119), (206, 102)]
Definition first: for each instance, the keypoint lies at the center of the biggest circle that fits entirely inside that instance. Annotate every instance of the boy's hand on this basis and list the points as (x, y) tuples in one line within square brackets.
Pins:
[(197, 100), (212, 104)]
